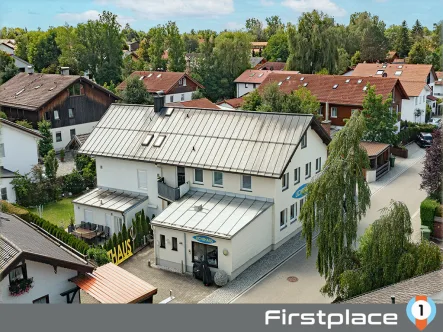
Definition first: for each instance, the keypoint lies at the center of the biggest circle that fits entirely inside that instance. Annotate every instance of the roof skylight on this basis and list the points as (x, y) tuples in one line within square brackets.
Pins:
[(365, 88), (150, 75), (335, 86), (440, 79), (348, 80), (288, 77), (159, 75), (301, 79), (158, 142), (169, 111), (141, 78), (260, 75), (380, 72), (398, 73), (400, 67), (305, 84), (359, 81), (20, 92), (280, 83), (148, 140), (36, 87)]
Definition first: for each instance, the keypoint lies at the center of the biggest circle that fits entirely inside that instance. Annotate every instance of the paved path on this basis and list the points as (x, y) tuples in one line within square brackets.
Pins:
[(402, 183), (67, 166)]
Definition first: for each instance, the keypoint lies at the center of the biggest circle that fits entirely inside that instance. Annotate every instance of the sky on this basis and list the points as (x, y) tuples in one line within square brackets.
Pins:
[(208, 14)]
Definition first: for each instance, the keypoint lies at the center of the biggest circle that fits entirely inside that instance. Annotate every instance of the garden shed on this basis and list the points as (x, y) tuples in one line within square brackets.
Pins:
[(378, 154)]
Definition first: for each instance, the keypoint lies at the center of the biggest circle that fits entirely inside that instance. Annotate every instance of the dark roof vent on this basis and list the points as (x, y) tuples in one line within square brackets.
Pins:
[(159, 101), (384, 75)]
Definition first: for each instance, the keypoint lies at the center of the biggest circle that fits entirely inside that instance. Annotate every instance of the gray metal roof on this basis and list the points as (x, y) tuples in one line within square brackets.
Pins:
[(221, 215), (232, 141), (110, 199), (7, 253)]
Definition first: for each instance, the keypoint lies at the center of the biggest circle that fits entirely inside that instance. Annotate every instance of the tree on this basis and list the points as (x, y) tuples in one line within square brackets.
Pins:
[(130, 34), (313, 45), (274, 24), (336, 201), (374, 45), (380, 119), (255, 27), (3, 115), (176, 48), (392, 35), (44, 53), (130, 65), (403, 41), (197, 95), (431, 180), (417, 31), (252, 101), (190, 42), (136, 93), (125, 234), (68, 43), (24, 123), (51, 165), (157, 47), (45, 144), (7, 67), (100, 48), (343, 61), (277, 48), (362, 27), (418, 53), (356, 58), (323, 71)]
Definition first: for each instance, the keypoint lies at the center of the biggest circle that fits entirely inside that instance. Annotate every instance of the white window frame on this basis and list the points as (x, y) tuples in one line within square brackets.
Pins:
[(246, 85), (213, 179), (71, 113), (332, 112), (56, 115), (140, 173), (318, 165), (184, 81), (297, 175), (293, 207), (304, 140), (195, 177), (2, 150), (284, 214), (242, 187), (308, 168), (285, 182)]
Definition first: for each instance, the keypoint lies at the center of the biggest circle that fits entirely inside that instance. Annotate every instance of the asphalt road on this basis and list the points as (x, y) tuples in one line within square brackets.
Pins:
[(276, 289)]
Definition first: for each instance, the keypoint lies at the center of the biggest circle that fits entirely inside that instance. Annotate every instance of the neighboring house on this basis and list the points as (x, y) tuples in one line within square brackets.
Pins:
[(392, 57), (73, 104), (413, 77), (231, 104), (76, 142), (225, 186), (18, 153), (133, 46), (177, 87), (8, 45), (438, 88), (256, 61), (432, 103), (273, 66), (22, 65), (430, 285), (257, 48), (339, 96), (132, 54), (196, 103), (32, 258)]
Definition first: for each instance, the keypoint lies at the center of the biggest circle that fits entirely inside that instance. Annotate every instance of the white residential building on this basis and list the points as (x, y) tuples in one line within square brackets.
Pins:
[(224, 185), (414, 108), (36, 268), (18, 153)]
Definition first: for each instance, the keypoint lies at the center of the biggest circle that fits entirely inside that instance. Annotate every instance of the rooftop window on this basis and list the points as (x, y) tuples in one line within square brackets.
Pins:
[(147, 140), (150, 75), (305, 84), (335, 86), (348, 80), (169, 111), (380, 72), (159, 141), (359, 81), (141, 78), (20, 92), (260, 75), (159, 75), (36, 87), (301, 79), (400, 67), (280, 83), (440, 79), (365, 88), (398, 73), (384, 65), (288, 77)]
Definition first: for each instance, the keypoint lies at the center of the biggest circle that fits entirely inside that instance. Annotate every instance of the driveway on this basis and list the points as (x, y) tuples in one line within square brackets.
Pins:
[(275, 288)]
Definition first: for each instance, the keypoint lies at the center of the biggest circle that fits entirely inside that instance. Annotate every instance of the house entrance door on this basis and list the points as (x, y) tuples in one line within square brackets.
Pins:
[(180, 176)]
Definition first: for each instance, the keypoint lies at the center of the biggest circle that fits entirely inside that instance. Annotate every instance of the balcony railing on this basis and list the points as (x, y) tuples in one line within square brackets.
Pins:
[(172, 194), (382, 170)]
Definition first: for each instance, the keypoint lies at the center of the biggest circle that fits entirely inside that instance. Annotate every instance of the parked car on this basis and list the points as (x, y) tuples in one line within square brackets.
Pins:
[(436, 122), (424, 140)]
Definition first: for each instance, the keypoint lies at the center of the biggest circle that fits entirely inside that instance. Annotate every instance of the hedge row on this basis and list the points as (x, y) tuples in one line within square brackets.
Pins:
[(52, 229), (427, 212), (410, 130)]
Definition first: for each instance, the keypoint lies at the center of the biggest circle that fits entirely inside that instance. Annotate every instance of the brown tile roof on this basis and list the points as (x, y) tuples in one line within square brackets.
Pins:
[(155, 81), (273, 65), (430, 97), (374, 149), (112, 284), (234, 102), (409, 72), (412, 88), (253, 76), (427, 285), (198, 103), (258, 44), (439, 80), (321, 86), (32, 91), (16, 126), (33, 244)]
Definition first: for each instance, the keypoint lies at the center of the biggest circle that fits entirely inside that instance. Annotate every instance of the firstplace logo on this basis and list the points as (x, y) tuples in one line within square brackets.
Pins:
[(281, 317)]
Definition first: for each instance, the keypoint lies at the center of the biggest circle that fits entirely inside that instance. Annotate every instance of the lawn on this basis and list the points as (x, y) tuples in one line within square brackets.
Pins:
[(58, 213)]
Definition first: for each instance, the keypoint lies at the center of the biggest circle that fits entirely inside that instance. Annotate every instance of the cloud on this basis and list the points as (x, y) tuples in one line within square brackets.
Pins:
[(234, 26), (90, 15), (267, 3), (326, 6), (155, 9)]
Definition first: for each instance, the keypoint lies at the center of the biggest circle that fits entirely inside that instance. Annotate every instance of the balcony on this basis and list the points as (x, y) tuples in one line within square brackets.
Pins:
[(169, 193)]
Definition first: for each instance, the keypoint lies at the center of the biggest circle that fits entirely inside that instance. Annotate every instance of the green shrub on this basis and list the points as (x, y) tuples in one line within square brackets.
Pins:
[(74, 183), (439, 211), (427, 212), (99, 255)]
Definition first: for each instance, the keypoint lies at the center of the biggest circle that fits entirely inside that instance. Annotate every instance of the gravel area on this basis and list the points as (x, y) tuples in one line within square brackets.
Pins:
[(67, 166)]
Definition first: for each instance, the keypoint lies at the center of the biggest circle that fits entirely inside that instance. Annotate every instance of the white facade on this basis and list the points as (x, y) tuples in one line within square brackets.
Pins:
[(65, 133), (244, 88), (178, 97), (409, 106), (438, 90), (6, 49), (20, 154), (264, 233), (45, 282)]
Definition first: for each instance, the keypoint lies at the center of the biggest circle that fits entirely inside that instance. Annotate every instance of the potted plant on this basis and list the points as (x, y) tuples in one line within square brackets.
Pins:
[(19, 287), (62, 155), (71, 226)]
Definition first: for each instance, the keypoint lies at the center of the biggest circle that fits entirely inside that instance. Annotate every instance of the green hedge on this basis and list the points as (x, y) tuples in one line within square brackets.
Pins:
[(427, 212), (410, 130), (79, 245)]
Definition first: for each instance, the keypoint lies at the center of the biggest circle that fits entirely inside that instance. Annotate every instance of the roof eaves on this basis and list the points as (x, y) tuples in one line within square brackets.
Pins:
[(17, 126)]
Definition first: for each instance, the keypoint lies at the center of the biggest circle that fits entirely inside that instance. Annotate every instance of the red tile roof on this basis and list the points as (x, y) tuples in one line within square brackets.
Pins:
[(253, 76), (197, 103), (273, 66), (347, 92), (373, 149), (155, 81), (409, 72), (234, 102), (112, 284), (413, 89)]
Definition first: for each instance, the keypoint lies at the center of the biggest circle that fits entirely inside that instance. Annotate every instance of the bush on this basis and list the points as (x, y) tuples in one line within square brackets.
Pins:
[(439, 211), (427, 212), (99, 255), (73, 183)]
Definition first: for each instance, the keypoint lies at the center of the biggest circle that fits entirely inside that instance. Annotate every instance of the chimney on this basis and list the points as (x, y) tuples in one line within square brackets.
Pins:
[(30, 69), (64, 71), (159, 101), (393, 299), (326, 124)]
